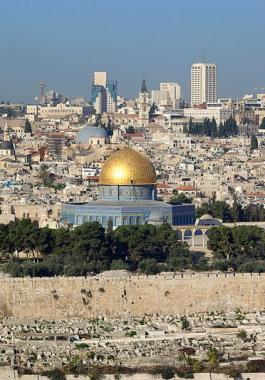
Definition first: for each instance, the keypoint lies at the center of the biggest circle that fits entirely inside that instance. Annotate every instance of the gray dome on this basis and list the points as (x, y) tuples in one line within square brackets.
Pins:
[(156, 217), (89, 132)]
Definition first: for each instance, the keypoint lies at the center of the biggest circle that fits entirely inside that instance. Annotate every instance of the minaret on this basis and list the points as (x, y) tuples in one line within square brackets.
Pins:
[(143, 105)]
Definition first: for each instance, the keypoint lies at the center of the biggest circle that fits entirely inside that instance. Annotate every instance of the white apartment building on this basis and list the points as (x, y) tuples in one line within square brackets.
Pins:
[(203, 83)]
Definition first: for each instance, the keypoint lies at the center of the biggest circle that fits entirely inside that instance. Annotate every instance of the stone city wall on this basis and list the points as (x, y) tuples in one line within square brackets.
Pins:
[(9, 374), (91, 297)]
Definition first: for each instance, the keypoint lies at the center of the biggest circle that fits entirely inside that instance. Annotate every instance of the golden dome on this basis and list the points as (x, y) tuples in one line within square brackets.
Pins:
[(126, 167)]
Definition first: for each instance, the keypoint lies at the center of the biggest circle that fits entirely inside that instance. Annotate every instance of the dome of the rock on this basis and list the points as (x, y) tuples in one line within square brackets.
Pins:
[(127, 167)]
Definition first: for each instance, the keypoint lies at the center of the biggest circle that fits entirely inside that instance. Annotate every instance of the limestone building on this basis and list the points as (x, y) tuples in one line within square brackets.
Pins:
[(6, 146)]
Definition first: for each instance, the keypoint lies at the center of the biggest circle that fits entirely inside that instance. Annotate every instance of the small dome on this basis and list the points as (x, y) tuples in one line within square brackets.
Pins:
[(156, 216), (127, 167), (88, 132), (206, 217)]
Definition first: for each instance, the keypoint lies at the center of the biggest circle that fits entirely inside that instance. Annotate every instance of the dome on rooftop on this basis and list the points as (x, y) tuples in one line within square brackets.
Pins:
[(206, 216), (88, 132), (156, 217), (127, 167)]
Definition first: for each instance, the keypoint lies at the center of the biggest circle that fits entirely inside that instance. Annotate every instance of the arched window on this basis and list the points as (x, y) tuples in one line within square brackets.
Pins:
[(187, 234), (179, 234), (79, 219)]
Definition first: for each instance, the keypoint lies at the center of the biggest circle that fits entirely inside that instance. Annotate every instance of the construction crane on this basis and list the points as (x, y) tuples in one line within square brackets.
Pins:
[(42, 86)]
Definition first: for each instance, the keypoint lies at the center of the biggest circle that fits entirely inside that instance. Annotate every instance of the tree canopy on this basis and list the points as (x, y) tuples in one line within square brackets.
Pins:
[(209, 128), (240, 247), (90, 249), (45, 176), (254, 142), (179, 198), (27, 128), (236, 213)]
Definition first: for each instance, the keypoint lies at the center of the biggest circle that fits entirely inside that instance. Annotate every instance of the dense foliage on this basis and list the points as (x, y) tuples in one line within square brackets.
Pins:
[(209, 128), (241, 248), (90, 249), (254, 142), (179, 198), (28, 128), (236, 213)]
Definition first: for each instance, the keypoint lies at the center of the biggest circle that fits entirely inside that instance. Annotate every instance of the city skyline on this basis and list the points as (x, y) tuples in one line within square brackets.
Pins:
[(130, 41)]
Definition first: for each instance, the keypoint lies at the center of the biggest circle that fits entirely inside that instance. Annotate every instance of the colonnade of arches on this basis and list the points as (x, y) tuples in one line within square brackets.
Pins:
[(105, 220), (195, 237)]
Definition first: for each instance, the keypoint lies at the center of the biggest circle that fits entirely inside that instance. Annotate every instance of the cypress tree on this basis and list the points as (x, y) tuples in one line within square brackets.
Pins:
[(254, 142), (214, 131), (27, 128), (190, 127), (221, 130), (262, 125)]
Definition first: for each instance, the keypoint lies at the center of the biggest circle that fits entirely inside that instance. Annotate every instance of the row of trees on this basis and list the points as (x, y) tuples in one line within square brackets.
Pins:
[(209, 128), (146, 248), (89, 248), (236, 213), (241, 248)]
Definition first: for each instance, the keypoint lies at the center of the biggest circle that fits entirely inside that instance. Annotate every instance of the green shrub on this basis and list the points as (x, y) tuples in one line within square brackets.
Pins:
[(167, 373), (242, 335), (184, 323), (55, 374)]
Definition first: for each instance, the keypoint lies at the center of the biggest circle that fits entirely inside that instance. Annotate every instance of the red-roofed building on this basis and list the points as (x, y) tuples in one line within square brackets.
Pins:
[(190, 191)]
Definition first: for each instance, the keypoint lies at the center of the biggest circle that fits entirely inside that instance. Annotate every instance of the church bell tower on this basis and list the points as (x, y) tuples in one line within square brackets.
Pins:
[(143, 105)]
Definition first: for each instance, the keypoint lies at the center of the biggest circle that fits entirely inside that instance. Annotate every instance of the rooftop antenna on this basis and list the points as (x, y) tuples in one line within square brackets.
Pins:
[(203, 56)]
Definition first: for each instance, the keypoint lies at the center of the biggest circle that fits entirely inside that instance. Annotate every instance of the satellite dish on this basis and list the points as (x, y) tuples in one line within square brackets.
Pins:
[(36, 98)]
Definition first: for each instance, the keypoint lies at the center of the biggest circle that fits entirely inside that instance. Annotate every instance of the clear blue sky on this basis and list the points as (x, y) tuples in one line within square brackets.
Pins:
[(63, 41)]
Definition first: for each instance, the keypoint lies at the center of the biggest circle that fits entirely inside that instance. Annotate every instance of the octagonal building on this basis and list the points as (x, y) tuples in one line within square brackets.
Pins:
[(127, 196)]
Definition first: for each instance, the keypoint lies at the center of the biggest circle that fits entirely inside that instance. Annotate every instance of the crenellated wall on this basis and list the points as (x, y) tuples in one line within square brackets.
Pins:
[(68, 297)]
